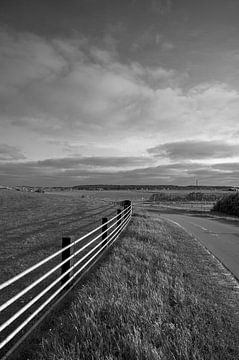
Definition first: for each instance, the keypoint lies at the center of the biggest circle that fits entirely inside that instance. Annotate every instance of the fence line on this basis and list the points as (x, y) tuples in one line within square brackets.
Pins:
[(40, 263), (107, 239), (24, 291)]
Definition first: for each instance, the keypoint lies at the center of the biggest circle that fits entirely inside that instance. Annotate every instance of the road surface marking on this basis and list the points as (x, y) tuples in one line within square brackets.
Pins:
[(199, 226), (205, 229), (174, 222)]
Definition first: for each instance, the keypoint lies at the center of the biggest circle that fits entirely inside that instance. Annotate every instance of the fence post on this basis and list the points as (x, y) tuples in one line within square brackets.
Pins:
[(124, 215), (118, 217), (127, 203), (104, 230), (66, 240)]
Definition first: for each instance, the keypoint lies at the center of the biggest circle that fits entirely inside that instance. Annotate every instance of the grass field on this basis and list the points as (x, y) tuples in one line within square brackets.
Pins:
[(160, 295), (117, 195), (32, 225)]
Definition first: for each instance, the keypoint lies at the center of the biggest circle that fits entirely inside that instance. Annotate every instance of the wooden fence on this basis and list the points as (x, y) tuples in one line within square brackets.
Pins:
[(52, 278)]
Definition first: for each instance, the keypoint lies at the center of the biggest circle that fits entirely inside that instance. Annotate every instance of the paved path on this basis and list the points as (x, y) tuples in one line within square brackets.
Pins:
[(220, 236)]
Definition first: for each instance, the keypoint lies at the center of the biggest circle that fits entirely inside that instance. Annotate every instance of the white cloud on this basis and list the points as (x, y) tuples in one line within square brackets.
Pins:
[(70, 89)]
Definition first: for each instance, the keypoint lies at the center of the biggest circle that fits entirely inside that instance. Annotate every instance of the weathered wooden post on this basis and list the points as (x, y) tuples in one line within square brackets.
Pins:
[(118, 217), (104, 230), (127, 203), (66, 241)]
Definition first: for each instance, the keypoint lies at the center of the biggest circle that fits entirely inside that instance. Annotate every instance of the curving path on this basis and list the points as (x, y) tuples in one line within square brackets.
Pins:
[(219, 235)]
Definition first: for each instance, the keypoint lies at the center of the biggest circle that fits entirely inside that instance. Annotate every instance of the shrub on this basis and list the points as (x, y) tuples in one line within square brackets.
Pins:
[(192, 196), (229, 204)]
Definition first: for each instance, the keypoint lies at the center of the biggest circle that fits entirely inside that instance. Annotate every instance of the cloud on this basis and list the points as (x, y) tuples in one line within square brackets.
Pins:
[(195, 150), (58, 174), (167, 46), (70, 170), (55, 85), (73, 90), (94, 161), (25, 58), (161, 7), (228, 167), (8, 152)]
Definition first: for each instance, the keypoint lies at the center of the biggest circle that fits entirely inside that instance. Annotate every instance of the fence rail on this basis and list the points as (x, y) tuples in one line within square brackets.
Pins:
[(75, 262)]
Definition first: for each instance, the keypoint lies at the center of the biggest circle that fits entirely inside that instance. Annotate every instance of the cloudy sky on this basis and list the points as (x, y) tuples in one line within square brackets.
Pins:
[(119, 91)]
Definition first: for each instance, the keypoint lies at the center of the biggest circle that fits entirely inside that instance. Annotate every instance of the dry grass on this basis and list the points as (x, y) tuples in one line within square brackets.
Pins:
[(159, 296), (32, 225)]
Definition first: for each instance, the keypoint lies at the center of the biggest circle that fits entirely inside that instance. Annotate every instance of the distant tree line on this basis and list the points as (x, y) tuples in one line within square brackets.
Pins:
[(146, 187), (100, 187)]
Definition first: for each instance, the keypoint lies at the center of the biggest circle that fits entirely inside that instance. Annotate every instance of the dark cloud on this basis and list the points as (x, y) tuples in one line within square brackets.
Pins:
[(161, 7), (8, 152), (91, 16), (35, 173), (41, 173), (230, 167), (195, 150)]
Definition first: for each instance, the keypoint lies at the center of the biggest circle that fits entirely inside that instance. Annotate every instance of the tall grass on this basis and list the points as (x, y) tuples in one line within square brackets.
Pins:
[(228, 204), (158, 296)]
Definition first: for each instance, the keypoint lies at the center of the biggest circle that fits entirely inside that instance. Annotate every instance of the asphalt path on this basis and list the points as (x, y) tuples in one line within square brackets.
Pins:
[(218, 234)]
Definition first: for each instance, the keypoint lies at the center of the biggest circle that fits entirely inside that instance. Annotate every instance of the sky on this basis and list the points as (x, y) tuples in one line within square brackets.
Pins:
[(119, 92)]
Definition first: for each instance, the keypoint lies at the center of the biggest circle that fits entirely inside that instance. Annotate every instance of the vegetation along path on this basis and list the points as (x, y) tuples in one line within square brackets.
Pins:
[(159, 295)]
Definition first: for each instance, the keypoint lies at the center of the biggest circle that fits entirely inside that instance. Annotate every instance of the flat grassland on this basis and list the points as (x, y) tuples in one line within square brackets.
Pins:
[(117, 195), (159, 295), (32, 225)]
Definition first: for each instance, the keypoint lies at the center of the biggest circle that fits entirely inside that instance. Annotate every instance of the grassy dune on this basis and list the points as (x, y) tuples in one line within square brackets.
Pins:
[(159, 295)]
